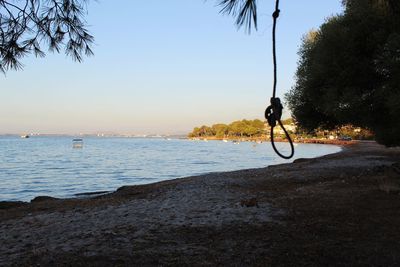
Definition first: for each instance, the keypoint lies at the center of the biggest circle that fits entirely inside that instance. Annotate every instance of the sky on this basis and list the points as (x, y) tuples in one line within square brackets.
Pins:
[(160, 67)]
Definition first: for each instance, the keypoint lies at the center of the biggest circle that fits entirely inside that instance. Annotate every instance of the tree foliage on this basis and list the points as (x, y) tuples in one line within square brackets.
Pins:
[(31, 26), (245, 12), (242, 128), (349, 71)]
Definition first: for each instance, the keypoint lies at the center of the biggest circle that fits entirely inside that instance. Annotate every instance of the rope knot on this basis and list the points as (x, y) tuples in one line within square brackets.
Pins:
[(273, 113), (275, 15)]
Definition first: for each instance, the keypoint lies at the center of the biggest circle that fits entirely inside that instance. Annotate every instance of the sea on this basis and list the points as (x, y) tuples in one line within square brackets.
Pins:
[(51, 166)]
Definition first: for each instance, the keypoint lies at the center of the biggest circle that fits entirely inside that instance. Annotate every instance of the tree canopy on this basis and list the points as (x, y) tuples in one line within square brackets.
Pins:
[(349, 71), (31, 26)]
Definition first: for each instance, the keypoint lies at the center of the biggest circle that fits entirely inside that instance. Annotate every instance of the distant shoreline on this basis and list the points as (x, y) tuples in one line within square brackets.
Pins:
[(177, 136), (265, 140), (262, 139)]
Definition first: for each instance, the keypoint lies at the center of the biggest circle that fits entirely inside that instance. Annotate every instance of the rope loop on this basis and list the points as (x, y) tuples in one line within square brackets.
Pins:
[(289, 139), (273, 113)]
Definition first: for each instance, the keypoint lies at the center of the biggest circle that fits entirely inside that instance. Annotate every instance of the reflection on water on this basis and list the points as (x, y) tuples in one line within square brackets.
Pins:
[(50, 166)]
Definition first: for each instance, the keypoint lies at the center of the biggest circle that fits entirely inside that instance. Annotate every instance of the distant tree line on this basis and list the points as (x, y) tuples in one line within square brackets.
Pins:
[(249, 129), (241, 128)]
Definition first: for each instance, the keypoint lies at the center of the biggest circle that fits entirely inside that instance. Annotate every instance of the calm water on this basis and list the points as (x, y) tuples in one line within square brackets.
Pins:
[(50, 166)]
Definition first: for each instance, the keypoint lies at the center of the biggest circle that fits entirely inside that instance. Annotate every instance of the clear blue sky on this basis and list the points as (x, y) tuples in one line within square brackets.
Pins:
[(159, 67)]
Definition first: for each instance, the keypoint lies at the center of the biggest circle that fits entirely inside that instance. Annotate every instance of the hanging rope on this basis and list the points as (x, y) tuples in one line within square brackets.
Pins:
[(273, 113)]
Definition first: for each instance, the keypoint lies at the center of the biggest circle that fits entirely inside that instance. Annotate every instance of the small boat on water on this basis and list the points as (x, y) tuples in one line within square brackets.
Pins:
[(77, 143), (25, 136), (225, 141)]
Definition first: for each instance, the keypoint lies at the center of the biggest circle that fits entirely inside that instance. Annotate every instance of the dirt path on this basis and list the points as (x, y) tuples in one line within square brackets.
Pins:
[(341, 209)]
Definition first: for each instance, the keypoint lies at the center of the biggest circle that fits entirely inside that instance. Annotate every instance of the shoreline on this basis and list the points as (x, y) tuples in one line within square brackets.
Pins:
[(105, 190), (339, 209), (281, 140)]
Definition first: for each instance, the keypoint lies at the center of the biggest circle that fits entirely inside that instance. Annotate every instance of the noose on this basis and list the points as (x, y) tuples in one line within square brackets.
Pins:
[(273, 113)]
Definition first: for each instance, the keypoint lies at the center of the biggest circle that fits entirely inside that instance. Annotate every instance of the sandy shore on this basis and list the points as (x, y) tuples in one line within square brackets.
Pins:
[(340, 209)]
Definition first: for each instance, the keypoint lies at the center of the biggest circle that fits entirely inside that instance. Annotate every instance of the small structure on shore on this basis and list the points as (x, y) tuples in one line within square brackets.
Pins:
[(77, 143)]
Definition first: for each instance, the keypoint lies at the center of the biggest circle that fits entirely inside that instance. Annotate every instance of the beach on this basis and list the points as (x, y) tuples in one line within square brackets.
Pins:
[(340, 209)]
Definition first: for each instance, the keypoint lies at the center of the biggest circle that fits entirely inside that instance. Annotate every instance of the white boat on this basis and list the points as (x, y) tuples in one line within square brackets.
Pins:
[(77, 143)]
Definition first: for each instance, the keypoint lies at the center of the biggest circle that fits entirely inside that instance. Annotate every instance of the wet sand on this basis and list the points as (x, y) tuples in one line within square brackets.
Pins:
[(340, 209)]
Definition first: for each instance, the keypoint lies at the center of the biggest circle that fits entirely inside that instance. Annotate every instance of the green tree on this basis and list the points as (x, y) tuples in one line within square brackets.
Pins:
[(349, 70), (205, 131), (195, 132), (258, 124), (237, 128), (220, 130), (251, 131)]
